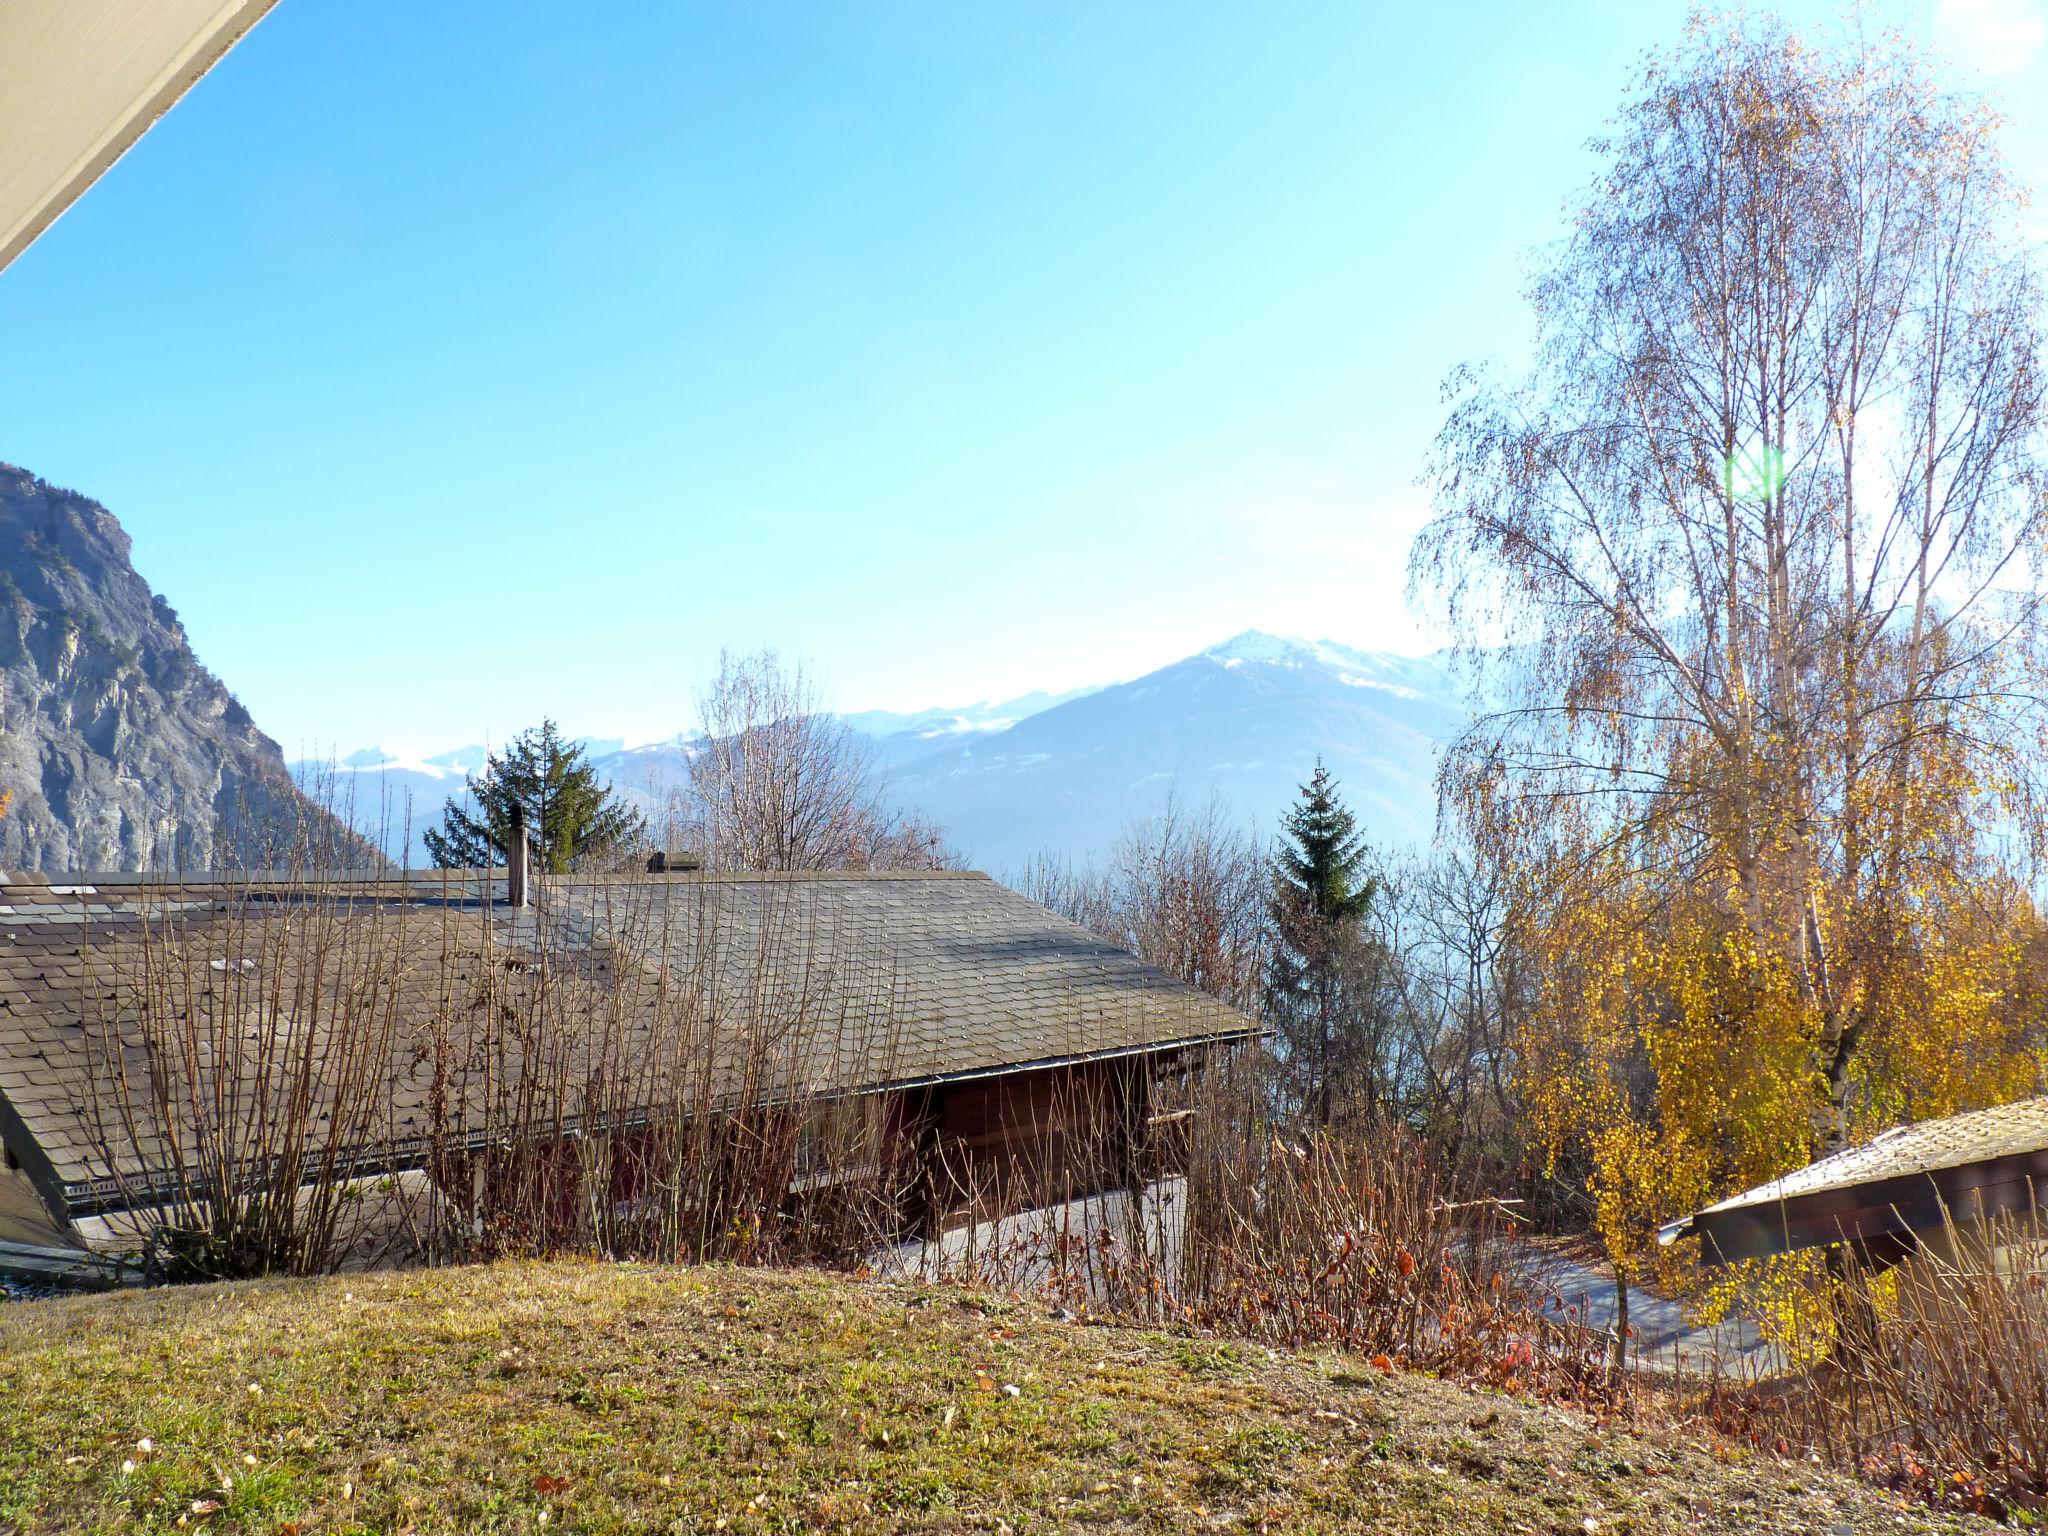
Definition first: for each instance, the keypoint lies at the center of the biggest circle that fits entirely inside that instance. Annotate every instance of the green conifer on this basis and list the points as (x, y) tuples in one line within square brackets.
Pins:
[(570, 813), (1321, 892)]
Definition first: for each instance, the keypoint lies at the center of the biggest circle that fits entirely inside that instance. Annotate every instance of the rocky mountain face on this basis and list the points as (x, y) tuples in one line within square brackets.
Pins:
[(118, 750)]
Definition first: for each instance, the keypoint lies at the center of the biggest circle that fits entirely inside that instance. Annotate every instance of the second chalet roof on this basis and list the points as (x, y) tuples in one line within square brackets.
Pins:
[(1909, 1179), (1929, 1146), (865, 981)]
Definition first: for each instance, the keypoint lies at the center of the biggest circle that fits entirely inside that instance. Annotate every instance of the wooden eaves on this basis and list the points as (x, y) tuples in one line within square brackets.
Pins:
[(82, 80), (1963, 1169)]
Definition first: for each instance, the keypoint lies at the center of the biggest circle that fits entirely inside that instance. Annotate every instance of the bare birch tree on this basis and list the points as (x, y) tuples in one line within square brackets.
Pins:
[(1763, 528), (780, 783), (1458, 985)]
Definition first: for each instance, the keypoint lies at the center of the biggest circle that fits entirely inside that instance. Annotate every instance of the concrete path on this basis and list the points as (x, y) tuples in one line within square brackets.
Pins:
[(1665, 1337), (1017, 1252)]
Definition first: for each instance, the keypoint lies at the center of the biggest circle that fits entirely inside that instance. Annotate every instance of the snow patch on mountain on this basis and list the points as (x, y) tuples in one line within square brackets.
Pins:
[(955, 720)]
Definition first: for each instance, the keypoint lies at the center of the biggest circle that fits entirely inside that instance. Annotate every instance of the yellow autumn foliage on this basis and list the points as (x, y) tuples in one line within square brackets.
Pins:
[(1670, 1055)]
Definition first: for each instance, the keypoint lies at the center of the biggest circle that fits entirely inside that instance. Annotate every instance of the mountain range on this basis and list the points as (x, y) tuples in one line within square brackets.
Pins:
[(119, 750), (1244, 721), (1061, 774)]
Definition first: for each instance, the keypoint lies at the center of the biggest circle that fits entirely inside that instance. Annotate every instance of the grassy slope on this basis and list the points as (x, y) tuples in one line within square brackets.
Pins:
[(584, 1397)]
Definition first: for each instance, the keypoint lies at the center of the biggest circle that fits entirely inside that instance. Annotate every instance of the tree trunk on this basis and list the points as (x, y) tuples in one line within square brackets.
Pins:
[(1619, 1360)]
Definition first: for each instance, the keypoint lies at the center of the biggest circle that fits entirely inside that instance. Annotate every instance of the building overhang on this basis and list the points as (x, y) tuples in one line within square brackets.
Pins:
[(82, 80), (1904, 1205)]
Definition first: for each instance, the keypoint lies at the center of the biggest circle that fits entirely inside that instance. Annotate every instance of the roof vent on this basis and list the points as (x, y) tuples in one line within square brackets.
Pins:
[(661, 863)]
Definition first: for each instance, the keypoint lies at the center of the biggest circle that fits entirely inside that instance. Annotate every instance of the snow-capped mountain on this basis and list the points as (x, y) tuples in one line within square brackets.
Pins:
[(902, 737), (1243, 721), (387, 798)]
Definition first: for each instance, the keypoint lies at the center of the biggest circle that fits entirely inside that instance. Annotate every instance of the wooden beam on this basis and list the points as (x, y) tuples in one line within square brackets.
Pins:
[(82, 80), (1908, 1203)]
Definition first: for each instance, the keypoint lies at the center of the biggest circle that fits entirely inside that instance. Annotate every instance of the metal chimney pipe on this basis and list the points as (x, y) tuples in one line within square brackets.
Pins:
[(517, 853)]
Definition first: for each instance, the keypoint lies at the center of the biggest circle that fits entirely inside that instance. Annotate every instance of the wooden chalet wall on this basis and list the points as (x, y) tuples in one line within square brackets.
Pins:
[(987, 1145)]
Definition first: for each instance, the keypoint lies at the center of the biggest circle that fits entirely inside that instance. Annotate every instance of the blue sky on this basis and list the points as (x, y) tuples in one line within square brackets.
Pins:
[(455, 364)]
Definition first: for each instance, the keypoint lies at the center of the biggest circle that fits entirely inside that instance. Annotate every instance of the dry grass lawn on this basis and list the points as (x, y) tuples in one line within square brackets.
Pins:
[(582, 1397)]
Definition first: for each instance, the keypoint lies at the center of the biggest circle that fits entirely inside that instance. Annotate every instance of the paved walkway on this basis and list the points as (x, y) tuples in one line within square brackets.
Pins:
[(1017, 1252), (1665, 1337)]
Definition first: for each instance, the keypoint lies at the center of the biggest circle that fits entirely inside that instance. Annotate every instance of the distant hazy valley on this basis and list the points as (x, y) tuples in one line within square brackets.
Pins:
[(1060, 774)]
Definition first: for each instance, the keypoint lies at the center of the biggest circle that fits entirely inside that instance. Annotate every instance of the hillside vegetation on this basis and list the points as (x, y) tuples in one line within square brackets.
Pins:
[(585, 1397)]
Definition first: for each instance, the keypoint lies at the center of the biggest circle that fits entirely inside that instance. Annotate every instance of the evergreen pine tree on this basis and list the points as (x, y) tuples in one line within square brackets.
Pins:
[(1321, 892), (569, 812)]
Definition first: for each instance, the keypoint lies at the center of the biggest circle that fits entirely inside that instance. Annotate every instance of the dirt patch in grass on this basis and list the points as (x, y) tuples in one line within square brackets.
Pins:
[(580, 1397)]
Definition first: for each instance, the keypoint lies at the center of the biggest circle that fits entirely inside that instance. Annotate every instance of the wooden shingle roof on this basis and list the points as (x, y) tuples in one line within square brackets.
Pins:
[(841, 983), (1906, 1180), (974, 977)]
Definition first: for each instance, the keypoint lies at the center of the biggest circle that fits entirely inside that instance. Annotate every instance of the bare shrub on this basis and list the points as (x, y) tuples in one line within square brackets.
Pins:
[(1937, 1383), (587, 1100), (1365, 1236), (1185, 890), (1360, 1236), (241, 1088)]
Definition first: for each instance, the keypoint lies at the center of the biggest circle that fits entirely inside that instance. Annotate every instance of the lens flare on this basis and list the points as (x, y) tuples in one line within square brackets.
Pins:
[(1754, 474)]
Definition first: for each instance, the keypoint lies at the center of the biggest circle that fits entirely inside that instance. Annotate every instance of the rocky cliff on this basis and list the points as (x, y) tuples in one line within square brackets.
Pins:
[(118, 750)]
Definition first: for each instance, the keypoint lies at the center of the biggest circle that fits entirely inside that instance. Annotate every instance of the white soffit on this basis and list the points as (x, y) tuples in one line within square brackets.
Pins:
[(81, 80)]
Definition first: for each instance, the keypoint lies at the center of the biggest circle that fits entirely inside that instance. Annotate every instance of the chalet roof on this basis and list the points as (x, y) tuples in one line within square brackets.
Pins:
[(1904, 1180), (971, 975), (828, 984)]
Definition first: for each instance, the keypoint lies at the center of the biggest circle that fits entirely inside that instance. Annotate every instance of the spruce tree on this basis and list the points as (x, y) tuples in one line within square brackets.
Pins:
[(570, 813), (1322, 891)]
